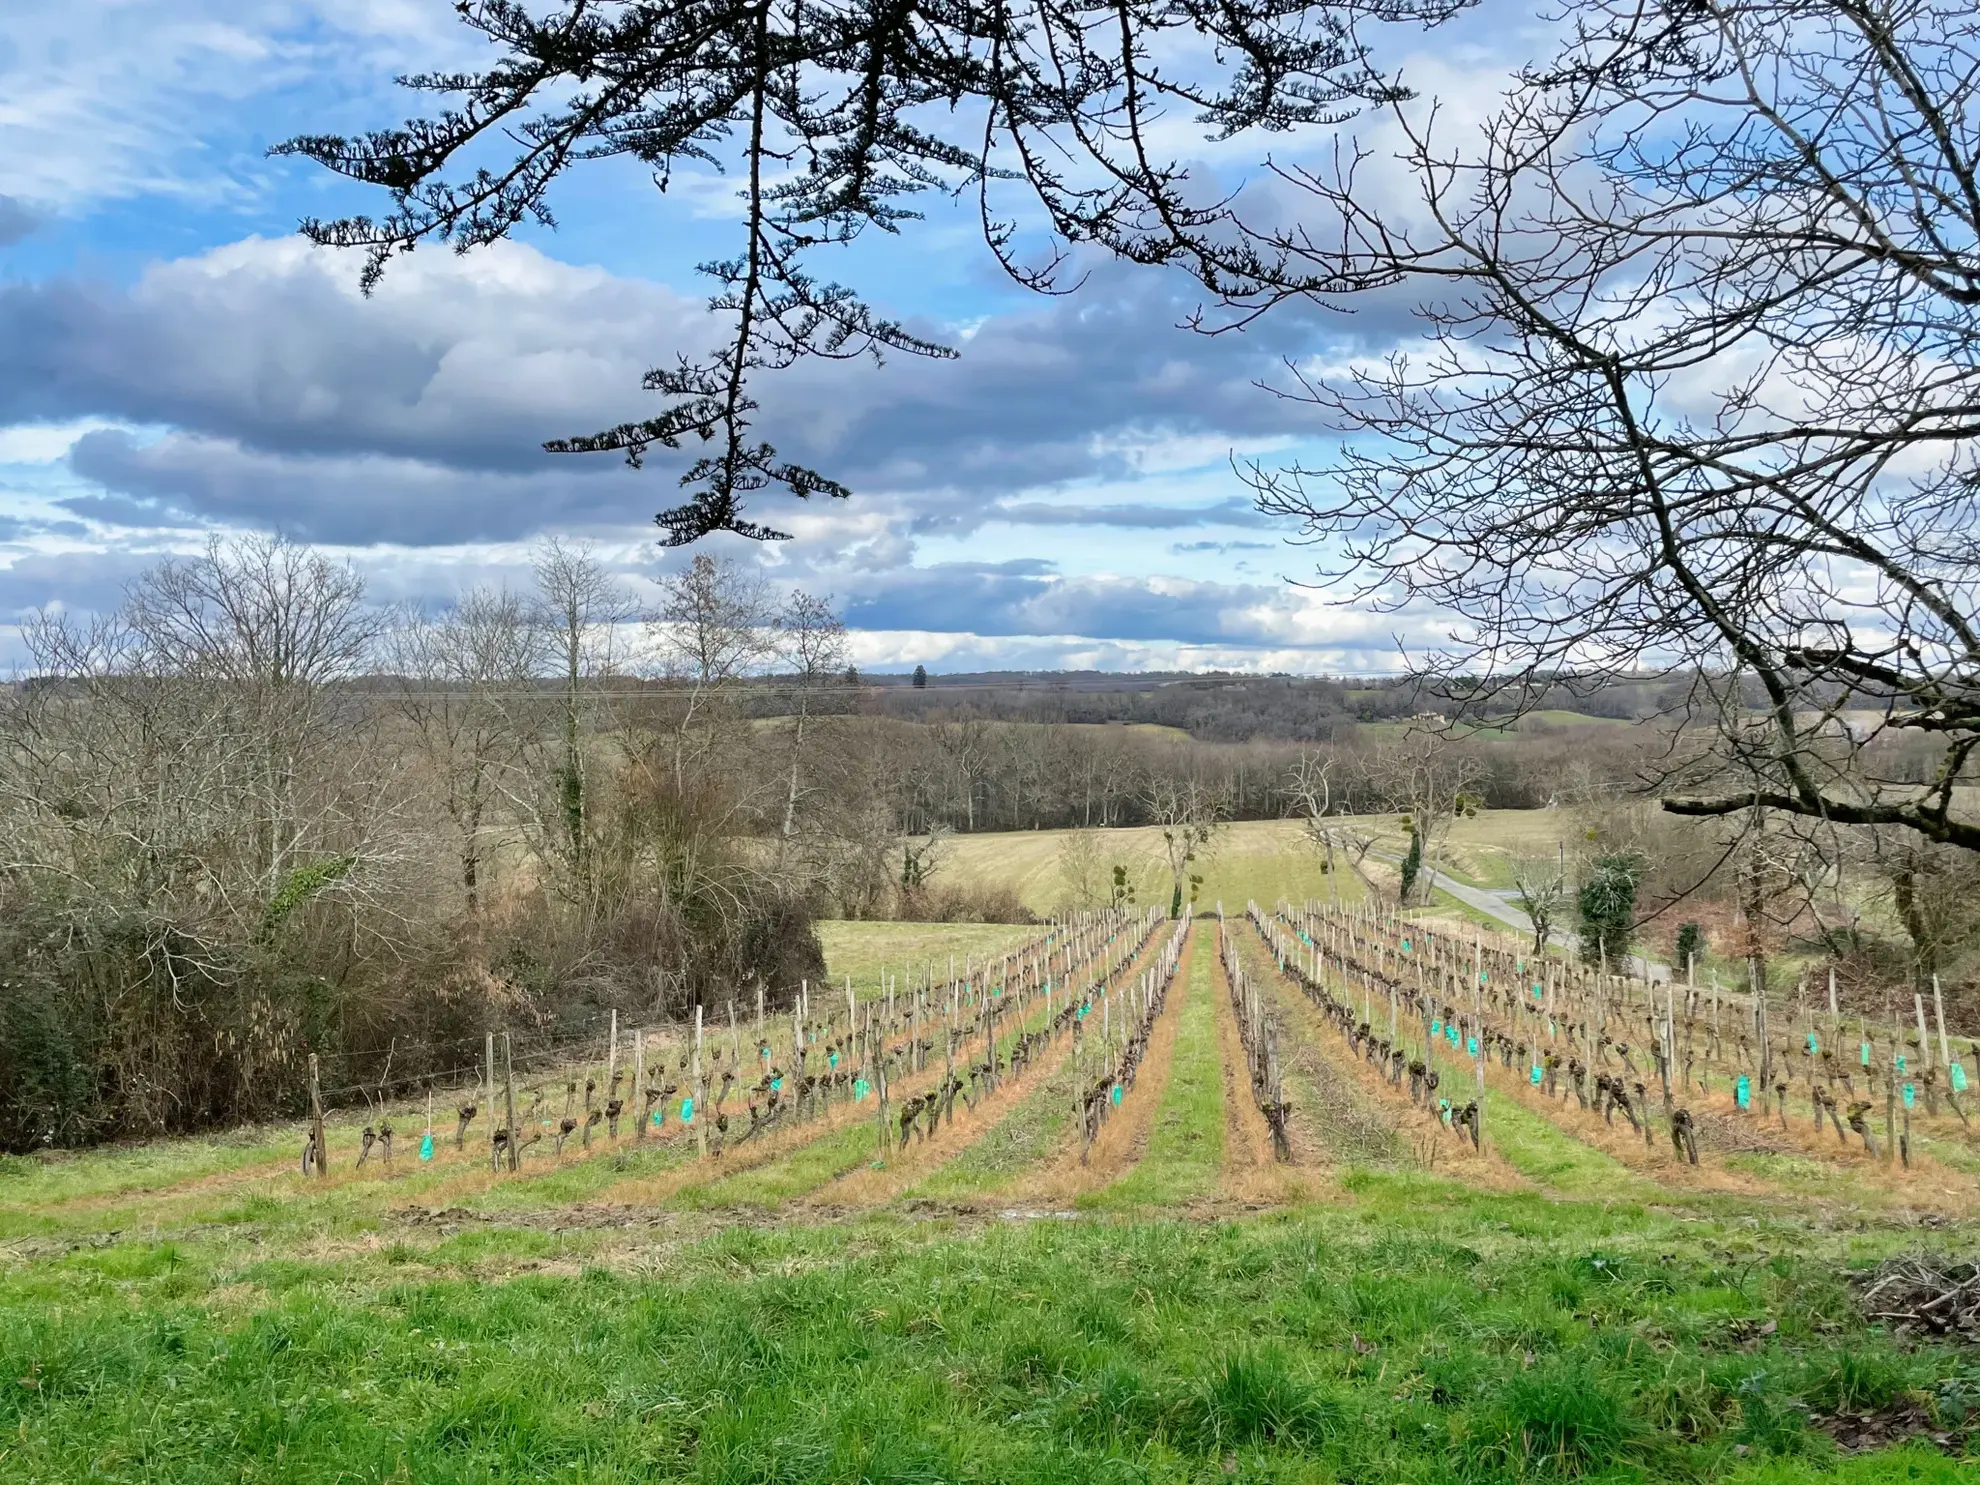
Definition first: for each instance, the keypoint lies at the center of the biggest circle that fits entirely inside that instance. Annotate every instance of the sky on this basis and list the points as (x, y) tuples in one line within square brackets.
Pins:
[(176, 362)]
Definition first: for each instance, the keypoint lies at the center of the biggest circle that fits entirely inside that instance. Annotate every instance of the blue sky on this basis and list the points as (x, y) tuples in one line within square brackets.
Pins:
[(173, 360)]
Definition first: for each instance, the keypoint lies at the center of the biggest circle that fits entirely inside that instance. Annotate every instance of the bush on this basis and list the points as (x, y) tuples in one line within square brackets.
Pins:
[(1607, 905), (113, 1026), (955, 903)]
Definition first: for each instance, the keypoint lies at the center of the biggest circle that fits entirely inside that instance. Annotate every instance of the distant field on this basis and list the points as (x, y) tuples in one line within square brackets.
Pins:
[(864, 950), (1262, 859), (1481, 850), (1139, 729), (1541, 721)]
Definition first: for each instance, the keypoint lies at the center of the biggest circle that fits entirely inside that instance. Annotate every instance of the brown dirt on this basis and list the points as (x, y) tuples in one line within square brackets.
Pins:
[(1123, 1137), (1724, 1129), (1418, 1130), (1251, 1171), (867, 1187), (1622, 1144)]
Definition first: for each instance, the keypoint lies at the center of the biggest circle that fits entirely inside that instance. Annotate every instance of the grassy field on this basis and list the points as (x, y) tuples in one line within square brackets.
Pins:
[(983, 1307), (1548, 720), (864, 950), (1263, 859)]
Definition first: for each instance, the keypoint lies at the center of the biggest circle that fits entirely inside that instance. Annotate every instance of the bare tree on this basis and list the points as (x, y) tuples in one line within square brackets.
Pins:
[(967, 745), (581, 609), (1931, 891), (1701, 398), (267, 624), (186, 792), (1189, 812), (810, 642), (714, 620), (1540, 888), (1310, 790), (1083, 869), (470, 675), (1431, 781)]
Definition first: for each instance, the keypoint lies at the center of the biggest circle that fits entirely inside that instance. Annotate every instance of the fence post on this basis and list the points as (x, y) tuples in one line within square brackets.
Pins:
[(494, 1150), (700, 1093), (316, 1118), (509, 1101), (638, 1104)]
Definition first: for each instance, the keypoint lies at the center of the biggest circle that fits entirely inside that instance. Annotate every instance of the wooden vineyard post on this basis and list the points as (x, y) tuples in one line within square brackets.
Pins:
[(1939, 1011), (1759, 985), (1666, 1034), (1890, 1095), (316, 1118), (1835, 1017), (1079, 1083), (494, 1149), (612, 1052), (762, 1055), (638, 1103), (1478, 1028), (990, 1031), (700, 1094), (948, 1104), (509, 1102), (1924, 1041)]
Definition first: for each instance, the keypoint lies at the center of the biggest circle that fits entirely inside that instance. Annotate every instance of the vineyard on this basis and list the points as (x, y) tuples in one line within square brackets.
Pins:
[(1292, 1192)]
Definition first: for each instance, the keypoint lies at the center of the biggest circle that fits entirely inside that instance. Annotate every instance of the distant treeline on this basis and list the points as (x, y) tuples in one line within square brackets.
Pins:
[(1210, 708)]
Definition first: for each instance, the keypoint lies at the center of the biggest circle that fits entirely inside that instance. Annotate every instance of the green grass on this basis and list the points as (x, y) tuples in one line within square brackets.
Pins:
[(1419, 1333), (905, 950), (1542, 1151), (193, 1311), (120, 1170), (1030, 1133), (1262, 859), (798, 1173), (1186, 1140)]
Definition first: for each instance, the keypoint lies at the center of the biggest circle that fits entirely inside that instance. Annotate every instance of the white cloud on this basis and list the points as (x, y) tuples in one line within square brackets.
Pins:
[(107, 99)]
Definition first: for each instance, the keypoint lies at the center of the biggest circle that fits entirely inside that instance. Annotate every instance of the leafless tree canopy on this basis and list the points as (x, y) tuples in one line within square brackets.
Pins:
[(1700, 394), (835, 117)]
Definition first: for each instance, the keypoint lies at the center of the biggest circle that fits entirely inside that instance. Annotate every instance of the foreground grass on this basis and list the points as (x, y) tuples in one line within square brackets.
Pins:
[(1420, 1333)]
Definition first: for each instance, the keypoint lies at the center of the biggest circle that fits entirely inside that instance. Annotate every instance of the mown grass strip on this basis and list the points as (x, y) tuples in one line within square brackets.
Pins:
[(1540, 1150), (1186, 1139)]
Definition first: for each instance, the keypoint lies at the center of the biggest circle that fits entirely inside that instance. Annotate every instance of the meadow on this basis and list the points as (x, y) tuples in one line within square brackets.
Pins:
[(996, 1301)]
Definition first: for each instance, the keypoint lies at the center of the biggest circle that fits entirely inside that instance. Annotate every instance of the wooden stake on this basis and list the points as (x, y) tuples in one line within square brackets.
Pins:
[(316, 1118), (700, 1092), (638, 1103), (509, 1097), (494, 1154)]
